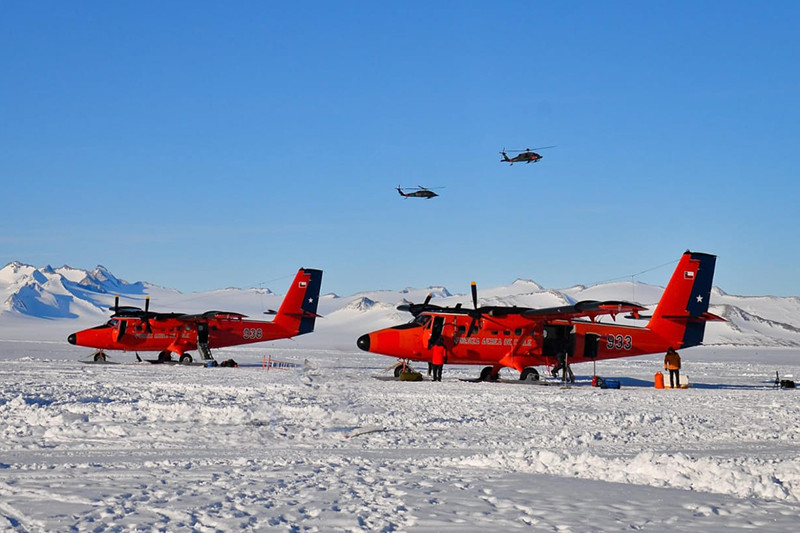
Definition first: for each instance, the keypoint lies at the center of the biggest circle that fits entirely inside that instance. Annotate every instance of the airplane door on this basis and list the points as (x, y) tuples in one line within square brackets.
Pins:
[(202, 333), (558, 339), (122, 325), (436, 330), (590, 345)]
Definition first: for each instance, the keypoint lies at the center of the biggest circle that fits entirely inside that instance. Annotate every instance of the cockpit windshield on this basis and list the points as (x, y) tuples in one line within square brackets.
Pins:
[(417, 322), (422, 320)]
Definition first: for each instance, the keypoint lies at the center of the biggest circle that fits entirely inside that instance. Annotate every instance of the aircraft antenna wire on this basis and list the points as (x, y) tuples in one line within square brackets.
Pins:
[(635, 275)]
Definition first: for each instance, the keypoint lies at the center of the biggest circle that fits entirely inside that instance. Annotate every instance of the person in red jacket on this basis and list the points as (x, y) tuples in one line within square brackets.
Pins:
[(438, 359), (672, 362)]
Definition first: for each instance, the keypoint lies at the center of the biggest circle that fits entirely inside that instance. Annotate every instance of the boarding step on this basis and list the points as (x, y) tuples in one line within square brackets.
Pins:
[(205, 351)]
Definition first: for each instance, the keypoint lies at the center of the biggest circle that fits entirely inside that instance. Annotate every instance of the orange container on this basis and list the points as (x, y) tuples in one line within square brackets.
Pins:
[(659, 380)]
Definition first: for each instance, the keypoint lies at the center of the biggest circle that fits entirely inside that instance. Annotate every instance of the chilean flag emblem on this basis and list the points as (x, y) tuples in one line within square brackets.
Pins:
[(688, 274)]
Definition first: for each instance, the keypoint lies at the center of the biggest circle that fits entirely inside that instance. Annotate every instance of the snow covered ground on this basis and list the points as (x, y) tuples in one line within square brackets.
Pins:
[(169, 448)]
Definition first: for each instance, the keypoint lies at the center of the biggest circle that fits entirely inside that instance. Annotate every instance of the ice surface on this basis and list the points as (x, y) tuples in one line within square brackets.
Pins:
[(132, 447), (171, 448)]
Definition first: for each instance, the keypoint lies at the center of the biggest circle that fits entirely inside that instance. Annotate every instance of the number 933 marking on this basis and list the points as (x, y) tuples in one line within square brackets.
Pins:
[(252, 333), (619, 342)]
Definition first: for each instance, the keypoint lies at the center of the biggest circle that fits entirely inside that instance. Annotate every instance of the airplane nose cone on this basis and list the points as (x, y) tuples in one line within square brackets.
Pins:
[(363, 342), (71, 339)]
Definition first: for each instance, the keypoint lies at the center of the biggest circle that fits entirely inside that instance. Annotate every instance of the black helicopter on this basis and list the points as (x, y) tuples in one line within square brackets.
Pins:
[(527, 155), (418, 192)]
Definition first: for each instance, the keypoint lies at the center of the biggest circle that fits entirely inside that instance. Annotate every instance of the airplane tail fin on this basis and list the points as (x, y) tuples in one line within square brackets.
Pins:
[(298, 310), (681, 315)]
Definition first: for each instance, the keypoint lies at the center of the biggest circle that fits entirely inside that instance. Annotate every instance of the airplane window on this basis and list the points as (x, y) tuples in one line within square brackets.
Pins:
[(507, 332), (462, 329), (422, 320), (518, 332), (113, 323)]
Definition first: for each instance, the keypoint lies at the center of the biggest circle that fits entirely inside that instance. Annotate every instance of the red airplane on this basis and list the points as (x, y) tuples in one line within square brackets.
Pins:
[(523, 338), (133, 329)]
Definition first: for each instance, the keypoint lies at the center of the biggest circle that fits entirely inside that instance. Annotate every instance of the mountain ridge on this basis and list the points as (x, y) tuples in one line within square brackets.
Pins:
[(45, 302)]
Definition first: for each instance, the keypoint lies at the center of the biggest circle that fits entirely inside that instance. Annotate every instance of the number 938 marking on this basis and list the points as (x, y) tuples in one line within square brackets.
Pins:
[(619, 342), (252, 333)]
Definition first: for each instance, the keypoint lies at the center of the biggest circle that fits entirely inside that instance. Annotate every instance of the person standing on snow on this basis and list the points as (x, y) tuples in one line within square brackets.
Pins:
[(438, 359), (672, 362), (563, 364)]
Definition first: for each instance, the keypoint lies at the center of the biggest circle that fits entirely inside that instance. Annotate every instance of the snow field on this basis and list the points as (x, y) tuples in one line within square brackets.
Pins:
[(170, 448)]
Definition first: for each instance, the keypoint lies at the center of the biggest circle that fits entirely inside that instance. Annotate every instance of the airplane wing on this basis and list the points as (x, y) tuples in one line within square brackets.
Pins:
[(590, 309), (210, 315)]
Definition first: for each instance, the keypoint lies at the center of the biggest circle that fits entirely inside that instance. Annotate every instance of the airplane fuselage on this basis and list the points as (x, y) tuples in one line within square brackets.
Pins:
[(519, 337), (177, 336), (134, 329), (513, 342)]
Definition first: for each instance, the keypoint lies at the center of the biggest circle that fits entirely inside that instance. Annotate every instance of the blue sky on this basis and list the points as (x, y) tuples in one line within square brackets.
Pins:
[(200, 145)]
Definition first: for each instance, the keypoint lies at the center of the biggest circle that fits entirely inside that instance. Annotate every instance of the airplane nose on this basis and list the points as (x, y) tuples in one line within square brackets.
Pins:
[(363, 342), (71, 339)]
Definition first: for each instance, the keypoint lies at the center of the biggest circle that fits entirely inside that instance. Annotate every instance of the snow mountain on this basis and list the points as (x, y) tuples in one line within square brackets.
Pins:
[(47, 303), (62, 293)]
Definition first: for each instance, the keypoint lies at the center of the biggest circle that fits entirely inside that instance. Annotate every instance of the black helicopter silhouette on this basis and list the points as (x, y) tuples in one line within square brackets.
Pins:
[(527, 155), (418, 192)]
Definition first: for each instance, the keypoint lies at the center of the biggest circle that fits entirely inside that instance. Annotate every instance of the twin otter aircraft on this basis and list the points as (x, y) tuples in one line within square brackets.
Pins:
[(133, 329), (522, 338)]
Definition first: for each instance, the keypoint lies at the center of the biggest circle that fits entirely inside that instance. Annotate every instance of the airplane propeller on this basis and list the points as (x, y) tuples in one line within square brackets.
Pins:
[(122, 325), (475, 313), (132, 312), (484, 313), (124, 310), (416, 309), (145, 317)]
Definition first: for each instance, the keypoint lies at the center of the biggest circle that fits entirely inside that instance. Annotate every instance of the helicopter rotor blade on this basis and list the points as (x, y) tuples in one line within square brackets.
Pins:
[(530, 149)]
